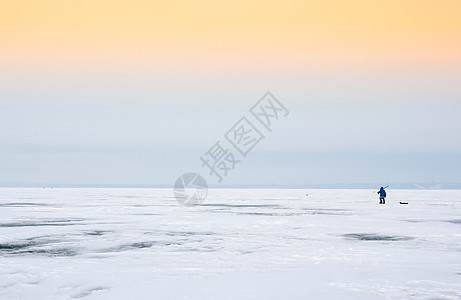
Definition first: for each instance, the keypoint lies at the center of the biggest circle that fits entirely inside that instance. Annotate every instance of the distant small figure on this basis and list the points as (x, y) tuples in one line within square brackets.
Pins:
[(307, 195), (382, 196)]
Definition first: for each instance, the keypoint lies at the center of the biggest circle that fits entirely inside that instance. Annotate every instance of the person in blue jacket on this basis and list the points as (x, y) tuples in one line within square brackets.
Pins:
[(382, 196)]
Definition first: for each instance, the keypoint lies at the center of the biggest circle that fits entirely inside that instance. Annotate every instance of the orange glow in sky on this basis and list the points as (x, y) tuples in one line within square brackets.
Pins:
[(289, 31)]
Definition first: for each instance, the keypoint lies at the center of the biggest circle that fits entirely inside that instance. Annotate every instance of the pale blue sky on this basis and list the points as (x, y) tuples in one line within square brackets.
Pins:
[(127, 126)]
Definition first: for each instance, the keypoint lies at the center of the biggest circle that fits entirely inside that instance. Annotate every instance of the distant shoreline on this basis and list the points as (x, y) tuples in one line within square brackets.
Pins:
[(395, 186)]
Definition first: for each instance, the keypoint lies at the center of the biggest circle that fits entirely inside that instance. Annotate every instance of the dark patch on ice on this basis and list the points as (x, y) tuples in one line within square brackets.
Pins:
[(40, 245), (270, 214), (145, 214), (132, 246), (173, 244), (143, 245), (441, 204), (327, 211), (58, 222), (22, 204), (376, 237), (146, 205), (96, 232), (245, 205), (89, 291), (454, 221), (188, 233), (416, 221), (303, 212), (50, 252), (20, 245), (202, 250), (6, 247), (44, 239), (281, 211), (31, 248), (423, 220), (150, 244)]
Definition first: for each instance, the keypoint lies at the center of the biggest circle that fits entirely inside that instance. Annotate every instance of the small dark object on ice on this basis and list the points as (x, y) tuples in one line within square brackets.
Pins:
[(403, 202)]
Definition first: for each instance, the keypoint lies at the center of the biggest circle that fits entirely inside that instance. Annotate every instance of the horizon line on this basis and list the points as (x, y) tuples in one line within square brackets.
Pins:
[(403, 185)]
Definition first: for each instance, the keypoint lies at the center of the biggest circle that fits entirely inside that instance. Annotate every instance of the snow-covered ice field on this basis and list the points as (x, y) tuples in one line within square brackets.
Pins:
[(241, 244)]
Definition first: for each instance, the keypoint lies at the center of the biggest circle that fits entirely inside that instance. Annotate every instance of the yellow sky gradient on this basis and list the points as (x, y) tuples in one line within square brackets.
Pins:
[(289, 31)]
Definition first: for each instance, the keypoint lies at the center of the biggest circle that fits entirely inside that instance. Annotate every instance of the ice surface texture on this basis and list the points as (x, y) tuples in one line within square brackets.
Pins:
[(241, 244)]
